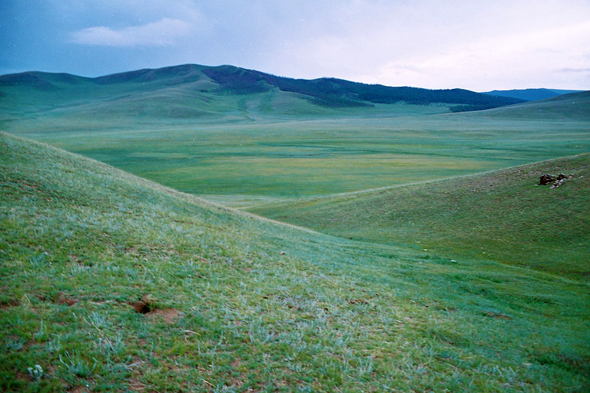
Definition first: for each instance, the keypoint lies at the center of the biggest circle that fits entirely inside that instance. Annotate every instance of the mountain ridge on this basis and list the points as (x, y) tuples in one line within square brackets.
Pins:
[(536, 94), (572, 106), (227, 79)]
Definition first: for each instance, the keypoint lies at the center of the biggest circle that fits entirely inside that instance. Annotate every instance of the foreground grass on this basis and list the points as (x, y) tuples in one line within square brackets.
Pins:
[(236, 303), (504, 216)]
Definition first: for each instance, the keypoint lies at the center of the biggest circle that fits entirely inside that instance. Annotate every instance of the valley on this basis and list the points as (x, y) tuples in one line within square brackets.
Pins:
[(218, 229)]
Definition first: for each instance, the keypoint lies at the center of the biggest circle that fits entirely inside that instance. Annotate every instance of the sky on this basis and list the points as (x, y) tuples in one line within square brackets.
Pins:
[(477, 45)]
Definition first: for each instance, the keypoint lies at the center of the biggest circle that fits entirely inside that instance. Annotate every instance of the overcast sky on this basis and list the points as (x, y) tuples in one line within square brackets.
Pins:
[(478, 45)]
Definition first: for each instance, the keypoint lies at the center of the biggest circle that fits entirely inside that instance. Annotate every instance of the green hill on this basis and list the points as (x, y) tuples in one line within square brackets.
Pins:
[(531, 94), (178, 127), (574, 106), (239, 136), (189, 82), (113, 283), (502, 216)]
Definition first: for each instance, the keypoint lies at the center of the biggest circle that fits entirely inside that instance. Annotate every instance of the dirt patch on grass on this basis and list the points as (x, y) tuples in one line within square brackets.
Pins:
[(147, 306), (143, 306), (63, 299), (168, 314), (497, 315)]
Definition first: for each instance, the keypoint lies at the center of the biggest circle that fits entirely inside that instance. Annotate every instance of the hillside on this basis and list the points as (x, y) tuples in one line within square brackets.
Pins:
[(574, 106), (201, 130), (194, 91), (331, 92), (175, 127), (531, 94), (113, 283), (503, 216)]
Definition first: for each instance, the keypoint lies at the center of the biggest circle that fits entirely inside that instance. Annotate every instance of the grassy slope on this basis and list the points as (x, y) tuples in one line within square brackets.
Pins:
[(531, 94), (257, 305), (574, 106), (503, 216), (172, 126), (260, 150)]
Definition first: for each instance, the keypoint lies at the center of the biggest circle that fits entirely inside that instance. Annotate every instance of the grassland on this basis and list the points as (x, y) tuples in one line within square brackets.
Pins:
[(182, 131), (306, 155), (504, 216), (233, 302), (112, 282)]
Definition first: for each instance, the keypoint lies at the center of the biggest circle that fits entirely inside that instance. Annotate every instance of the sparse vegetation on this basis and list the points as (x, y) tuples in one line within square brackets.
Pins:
[(261, 305), (113, 283)]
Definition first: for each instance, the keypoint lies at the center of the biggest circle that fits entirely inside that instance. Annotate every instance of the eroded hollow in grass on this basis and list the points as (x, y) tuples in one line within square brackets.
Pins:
[(143, 306)]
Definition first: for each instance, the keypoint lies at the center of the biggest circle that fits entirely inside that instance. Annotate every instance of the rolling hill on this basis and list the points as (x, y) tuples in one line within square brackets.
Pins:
[(113, 283), (194, 82), (202, 130), (574, 106), (531, 94), (502, 216)]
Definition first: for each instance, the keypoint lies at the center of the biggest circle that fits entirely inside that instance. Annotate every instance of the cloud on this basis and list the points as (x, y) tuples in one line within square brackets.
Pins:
[(575, 70), (523, 60), (164, 32), (482, 45), (488, 44)]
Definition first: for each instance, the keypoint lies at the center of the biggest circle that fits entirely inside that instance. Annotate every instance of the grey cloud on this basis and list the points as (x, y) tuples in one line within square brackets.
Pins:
[(426, 43), (161, 33)]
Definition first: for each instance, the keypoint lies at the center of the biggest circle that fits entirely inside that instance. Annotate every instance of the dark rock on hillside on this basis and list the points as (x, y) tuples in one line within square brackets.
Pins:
[(546, 179), (555, 181)]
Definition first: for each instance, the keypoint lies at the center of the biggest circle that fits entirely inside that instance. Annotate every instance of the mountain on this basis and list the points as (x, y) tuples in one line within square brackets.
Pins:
[(341, 93), (200, 82), (530, 94)]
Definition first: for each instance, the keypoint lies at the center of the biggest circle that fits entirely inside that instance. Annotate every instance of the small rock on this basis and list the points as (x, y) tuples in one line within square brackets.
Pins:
[(546, 179), (558, 183)]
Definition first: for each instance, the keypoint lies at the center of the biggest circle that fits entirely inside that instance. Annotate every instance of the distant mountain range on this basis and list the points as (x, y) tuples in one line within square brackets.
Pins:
[(230, 80), (530, 94)]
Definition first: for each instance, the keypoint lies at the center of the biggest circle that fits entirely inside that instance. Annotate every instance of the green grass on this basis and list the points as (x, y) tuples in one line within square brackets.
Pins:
[(277, 145), (254, 305), (503, 216), (313, 157), (573, 106), (235, 302)]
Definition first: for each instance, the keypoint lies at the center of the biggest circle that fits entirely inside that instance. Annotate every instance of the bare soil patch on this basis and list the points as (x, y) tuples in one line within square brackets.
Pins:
[(168, 314)]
